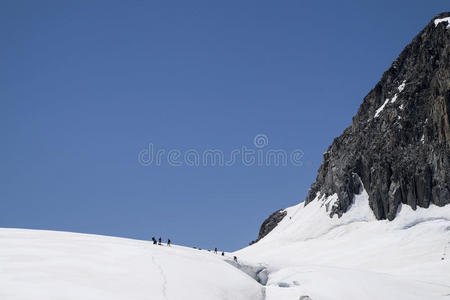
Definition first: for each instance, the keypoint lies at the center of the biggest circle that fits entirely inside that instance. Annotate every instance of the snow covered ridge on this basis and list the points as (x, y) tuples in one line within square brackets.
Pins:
[(308, 256), (438, 21), (356, 256), (48, 265)]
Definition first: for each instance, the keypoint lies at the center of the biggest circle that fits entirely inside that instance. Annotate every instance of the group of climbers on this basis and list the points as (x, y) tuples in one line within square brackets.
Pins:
[(215, 252), (223, 254), (159, 242)]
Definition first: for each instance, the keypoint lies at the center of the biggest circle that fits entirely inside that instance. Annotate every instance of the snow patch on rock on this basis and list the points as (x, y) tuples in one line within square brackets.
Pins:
[(401, 87), (438, 21), (394, 98), (380, 109)]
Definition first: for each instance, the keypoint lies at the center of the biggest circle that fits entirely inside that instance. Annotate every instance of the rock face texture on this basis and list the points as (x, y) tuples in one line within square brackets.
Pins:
[(398, 144), (269, 224), (399, 141)]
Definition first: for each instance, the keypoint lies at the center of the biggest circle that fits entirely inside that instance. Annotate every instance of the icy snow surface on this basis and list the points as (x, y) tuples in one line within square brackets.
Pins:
[(46, 265), (307, 255), (356, 256)]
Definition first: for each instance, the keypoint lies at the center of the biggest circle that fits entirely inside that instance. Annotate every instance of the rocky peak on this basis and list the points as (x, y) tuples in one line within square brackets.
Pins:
[(398, 145), (399, 141)]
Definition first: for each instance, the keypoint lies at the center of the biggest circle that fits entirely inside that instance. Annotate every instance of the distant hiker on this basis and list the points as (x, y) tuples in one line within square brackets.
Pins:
[(168, 242), (215, 250), (235, 258), (159, 241), (223, 253), (154, 240)]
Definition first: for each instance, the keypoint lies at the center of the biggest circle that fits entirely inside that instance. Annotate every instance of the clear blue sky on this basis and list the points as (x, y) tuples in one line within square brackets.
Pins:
[(85, 85)]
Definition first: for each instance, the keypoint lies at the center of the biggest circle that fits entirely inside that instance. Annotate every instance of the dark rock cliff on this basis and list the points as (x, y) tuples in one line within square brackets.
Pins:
[(399, 141), (398, 144), (269, 224)]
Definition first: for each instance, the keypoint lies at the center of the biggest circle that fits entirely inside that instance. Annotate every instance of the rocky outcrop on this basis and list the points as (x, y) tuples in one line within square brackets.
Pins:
[(399, 141), (398, 145), (269, 224)]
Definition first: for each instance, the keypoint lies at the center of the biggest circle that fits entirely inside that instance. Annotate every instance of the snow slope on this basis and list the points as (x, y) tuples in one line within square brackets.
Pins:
[(46, 265), (307, 256), (355, 256)]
